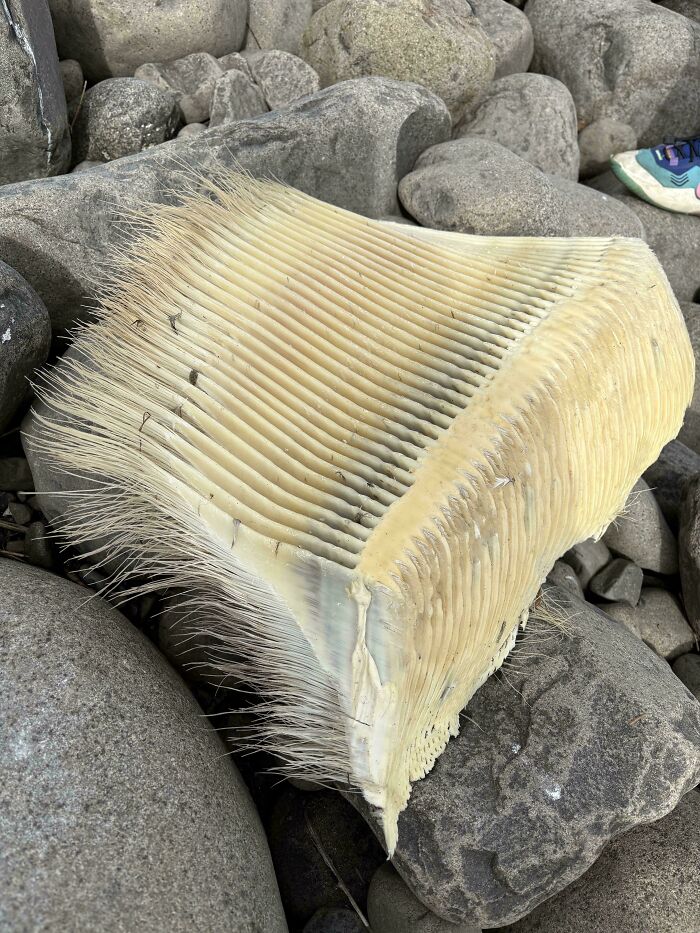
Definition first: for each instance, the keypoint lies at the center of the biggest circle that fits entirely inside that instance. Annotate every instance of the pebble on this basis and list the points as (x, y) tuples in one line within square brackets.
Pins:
[(658, 620), (475, 185), (600, 140), (616, 68), (646, 881), (34, 133), (15, 474), (112, 39), (122, 116), (562, 574), (687, 668), (533, 116), (583, 737), (689, 550), (277, 24), (191, 79), (510, 31), (641, 533), (437, 44), (393, 908), (72, 77), (236, 97), (25, 338), (282, 77), (587, 558), (621, 581), (335, 920), (675, 465), (126, 812)]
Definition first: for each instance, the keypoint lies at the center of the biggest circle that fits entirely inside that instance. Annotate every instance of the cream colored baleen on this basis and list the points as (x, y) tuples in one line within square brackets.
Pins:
[(361, 447)]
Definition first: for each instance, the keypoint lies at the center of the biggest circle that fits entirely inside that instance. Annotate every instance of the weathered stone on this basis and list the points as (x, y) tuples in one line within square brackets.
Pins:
[(690, 432), (675, 465), (335, 920), (393, 908), (533, 116), (109, 771), (589, 735), (191, 129), (439, 44), (282, 77), (641, 533), (72, 78), (475, 185), (621, 582), (34, 134), (626, 59), (277, 24), (587, 558), (510, 31), (689, 550), (122, 116), (647, 880), (348, 145), (563, 574), (25, 337), (235, 60), (191, 79), (687, 669), (657, 619), (85, 166), (689, 8), (38, 546), (236, 97), (600, 140), (112, 39)]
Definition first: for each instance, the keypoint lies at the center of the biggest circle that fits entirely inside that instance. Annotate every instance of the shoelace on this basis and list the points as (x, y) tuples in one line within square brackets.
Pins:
[(686, 149)]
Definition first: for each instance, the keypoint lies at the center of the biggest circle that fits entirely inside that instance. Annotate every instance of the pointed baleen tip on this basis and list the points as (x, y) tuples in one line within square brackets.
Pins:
[(360, 448)]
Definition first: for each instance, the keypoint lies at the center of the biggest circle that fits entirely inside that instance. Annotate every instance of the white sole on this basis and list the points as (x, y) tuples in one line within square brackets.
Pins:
[(680, 201)]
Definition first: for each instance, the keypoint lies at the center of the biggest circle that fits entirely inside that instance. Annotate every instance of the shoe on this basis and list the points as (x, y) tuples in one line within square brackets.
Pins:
[(667, 175)]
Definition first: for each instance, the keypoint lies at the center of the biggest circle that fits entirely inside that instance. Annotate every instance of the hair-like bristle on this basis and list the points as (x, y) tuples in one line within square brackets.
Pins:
[(359, 449)]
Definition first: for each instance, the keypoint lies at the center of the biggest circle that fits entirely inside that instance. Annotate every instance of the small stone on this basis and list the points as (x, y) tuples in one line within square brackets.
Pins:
[(335, 920), (20, 512), (191, 79), (122, 116), (282, 77), (25, 338), (658, 620), (393, 908), (533, 116), (587, 558), (236, 97), (510, 31), (72, 77), (600, 140), (687, 668), (562, 574), (620, 581), (113, 39), (675, 465), (689, 550), (237, 61), (191, 129), (641, 533), (646, 881), (277, 24), (85, 166), (438, 44), (38, 547), (15, 475)]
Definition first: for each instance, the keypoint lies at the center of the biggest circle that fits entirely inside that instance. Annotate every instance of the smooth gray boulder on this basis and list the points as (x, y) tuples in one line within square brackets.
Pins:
[(349, 145), (584, 736), (112, 39), (510, 31), (282, 77), (277, 24), (475, 185), (627, 59), (658, 620), (34, 133), (25, 338), (600, 140), (533, 116), (641, 533), (119, 807), (646, 881), (675, 465)]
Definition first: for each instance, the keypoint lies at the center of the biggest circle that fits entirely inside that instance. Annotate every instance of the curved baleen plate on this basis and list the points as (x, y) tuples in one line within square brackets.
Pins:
[(363, 446)]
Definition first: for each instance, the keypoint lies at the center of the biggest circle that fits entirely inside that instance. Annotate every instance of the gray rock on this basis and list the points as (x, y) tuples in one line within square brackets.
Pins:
[(689, 8), (689, 550), (236, 97), (646, 880), (589, 735), (687, 669), (38, 546), (191, 129), (277, 24), (675, 465), (72, 78), (657, 619), (34, 133), (15, 475), (510, 31), (475, 185), (348, 145), (119, 808), (562, 574), (191, 79), (690, 432), (85, 166), (641, 533), (335, 920), (393, 908), (282, 77), (25, 338), (600, 140), (621, 581), (122, 116), (112, 39), (533, 116), (587, 558), (675, 238), (20, 512), (627, 59), (437, 43), (237, 61)]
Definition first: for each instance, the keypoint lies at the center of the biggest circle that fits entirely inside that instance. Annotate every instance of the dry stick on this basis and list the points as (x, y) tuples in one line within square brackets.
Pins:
[(80, 104)]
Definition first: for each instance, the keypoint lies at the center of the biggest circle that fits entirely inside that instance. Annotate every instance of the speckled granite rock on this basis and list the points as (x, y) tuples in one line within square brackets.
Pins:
[(600, 140), (509, 30), (585, 737), (277, 24)]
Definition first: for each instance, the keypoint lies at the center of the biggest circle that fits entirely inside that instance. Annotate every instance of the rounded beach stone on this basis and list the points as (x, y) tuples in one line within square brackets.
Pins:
[(72, 77), (509, 30), (687, 668), (657, 619), (277, 24), (600, 140), (620, 581)]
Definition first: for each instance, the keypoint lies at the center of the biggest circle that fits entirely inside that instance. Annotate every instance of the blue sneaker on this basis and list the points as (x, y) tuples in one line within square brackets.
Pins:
[(667, 175)]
